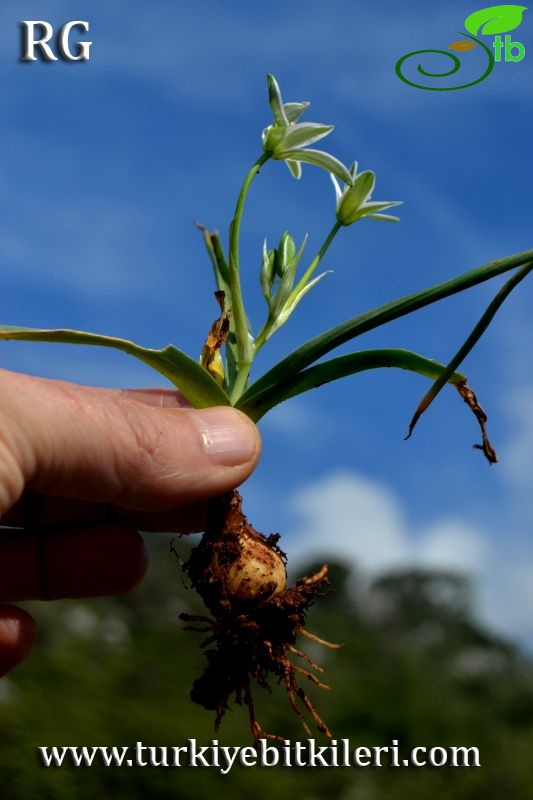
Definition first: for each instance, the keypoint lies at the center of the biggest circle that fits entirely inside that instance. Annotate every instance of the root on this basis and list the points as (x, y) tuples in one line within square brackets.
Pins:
[(320, 641), (311, 677), (319, 722), (303, 655), (291, 686), (254, 626)]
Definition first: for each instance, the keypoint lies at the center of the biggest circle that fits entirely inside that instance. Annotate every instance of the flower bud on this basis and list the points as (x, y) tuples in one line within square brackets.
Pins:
[(285, 253), (268, 271)]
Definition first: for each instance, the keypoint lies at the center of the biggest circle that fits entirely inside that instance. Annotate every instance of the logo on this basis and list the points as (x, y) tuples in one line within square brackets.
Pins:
[(491, 21), (37, 33)]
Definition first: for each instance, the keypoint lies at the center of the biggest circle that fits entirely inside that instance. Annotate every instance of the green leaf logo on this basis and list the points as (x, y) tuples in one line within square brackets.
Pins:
[(495, 19)]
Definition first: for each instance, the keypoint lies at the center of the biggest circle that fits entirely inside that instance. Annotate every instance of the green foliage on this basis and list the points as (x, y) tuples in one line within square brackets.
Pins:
[(311, 351), (256, 403), (194, 382), (288, 139)]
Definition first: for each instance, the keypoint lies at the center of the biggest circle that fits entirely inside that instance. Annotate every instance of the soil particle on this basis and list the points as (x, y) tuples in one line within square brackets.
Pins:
[(240, 575)]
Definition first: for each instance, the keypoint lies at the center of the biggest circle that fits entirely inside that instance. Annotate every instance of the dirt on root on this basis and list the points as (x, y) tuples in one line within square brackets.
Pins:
[(255, 622)]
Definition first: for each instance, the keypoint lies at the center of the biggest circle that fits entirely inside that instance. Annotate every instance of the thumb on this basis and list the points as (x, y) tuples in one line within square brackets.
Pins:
[(107, 446)]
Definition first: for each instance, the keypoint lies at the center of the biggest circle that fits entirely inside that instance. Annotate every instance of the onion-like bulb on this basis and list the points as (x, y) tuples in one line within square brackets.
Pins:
[(258, 571)]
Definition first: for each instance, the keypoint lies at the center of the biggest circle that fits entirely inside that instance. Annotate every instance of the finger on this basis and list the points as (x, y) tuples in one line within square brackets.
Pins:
[(17, 634), (163, 398), (77, 562), (189, 519), (75, 441), (35, 510)]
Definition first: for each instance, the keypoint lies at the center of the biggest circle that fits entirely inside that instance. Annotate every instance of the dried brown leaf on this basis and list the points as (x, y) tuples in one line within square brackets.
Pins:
[(211, 358)]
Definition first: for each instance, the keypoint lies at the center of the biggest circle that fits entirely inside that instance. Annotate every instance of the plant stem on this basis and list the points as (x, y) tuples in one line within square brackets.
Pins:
[(245, 349), (316, 261), (241, 379)]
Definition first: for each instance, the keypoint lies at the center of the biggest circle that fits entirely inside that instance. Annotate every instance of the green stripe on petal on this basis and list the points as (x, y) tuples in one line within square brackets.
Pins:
[(319, 159)]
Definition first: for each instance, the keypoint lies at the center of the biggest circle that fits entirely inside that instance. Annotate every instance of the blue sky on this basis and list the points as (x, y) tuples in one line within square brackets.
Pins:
[(105, 165)]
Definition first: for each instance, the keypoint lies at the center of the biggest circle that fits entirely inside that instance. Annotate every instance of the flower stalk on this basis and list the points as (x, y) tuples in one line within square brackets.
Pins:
[(242, 333)]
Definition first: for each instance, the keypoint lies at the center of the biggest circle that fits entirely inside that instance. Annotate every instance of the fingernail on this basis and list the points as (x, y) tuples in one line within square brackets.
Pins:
[(228, 437)]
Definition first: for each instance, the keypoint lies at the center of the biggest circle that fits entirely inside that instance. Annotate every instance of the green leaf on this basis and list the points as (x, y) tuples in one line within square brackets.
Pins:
[(472, 339), (303, 134), (256, 402), (192, 380), (495, 19), (314, 349), (319, 159), (218, 260)]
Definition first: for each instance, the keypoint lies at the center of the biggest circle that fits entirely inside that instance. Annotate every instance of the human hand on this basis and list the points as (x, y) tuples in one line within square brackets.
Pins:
[(83, 469)]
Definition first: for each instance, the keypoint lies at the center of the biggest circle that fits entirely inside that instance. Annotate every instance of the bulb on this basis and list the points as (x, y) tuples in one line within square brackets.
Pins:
[(258, 571)]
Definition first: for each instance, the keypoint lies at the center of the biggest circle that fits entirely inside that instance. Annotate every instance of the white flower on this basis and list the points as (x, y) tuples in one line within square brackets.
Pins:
[(353, 202), (287, 139)]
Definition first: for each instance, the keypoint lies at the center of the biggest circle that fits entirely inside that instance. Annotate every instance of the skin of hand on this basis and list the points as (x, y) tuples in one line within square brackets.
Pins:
[(82, 470)]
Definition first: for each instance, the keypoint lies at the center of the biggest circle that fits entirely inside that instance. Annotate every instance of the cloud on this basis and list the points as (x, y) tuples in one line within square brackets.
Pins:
[(453, 544), (517, 455), (358, 519), (349, 516), (506, 596)]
